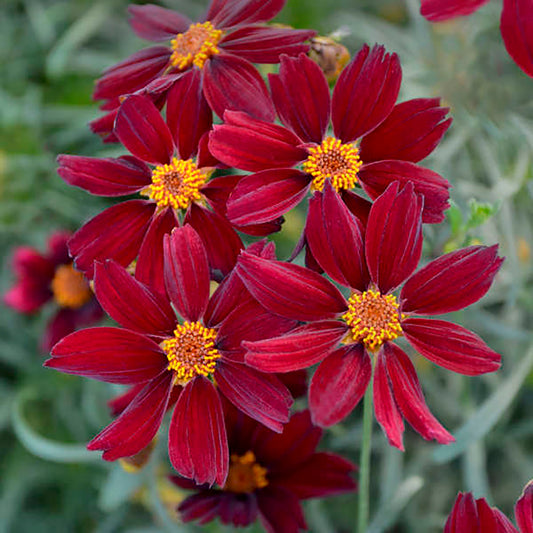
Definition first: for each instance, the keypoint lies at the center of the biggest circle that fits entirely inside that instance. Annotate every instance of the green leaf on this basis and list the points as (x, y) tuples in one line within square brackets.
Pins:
[(480, 212)]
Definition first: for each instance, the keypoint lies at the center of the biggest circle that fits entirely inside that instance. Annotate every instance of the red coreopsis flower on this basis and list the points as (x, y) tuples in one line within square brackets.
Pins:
[(373, 266), (516, 24), (174, 358), (215, 54), (269, 474), (51, 276), (163, 169), (374, 141), (476, 516)]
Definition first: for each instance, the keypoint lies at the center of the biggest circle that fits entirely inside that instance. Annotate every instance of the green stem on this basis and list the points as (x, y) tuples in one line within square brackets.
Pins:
[(364, 463)]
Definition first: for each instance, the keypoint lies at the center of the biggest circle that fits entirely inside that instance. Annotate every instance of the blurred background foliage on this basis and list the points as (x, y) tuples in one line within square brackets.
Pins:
[(50, 53)]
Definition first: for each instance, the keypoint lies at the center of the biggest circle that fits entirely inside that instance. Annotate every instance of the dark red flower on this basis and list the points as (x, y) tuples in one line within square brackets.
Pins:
[(516, 24), (176, 186), (269, 474), (392, 139), (476, 516), (373, 266), (219, 50), (166, 355), (51, 276)]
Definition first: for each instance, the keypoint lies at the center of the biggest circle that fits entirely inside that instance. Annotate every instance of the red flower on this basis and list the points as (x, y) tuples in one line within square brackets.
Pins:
[(217, 50), (476, 516), (164, 354), (392, 139), (51, 276), (516, 24), (175, 185), (269, 474), (373, 267)]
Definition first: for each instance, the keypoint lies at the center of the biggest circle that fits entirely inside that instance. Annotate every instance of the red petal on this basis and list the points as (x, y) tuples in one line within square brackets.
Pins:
[(134, 429), (280, 510), (290, 290), (385, 408), (301, 348), (266, 195), (254, 145), (197, 441), (516, 25), (116, 233), (232, 83), (524, 510), (188, 113), (156, 23), (439, 10), (226, 13), (149, 266), (31, 266), (335, 238), (410, 133), (358, 206), (131, 303), (142, 130), (451, 346), (203, 506), (261, 44), (463, 517), (492, 520), (394, 237), (452, 281), (408, 395), (27, 297), (260, 396), (119, 403), (365, 92), (338, 384), (57, 249), (301, 96), (108, 354), (376, 177)]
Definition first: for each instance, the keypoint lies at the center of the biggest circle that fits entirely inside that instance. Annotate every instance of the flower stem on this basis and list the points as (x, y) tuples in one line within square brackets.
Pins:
[(364, 463)]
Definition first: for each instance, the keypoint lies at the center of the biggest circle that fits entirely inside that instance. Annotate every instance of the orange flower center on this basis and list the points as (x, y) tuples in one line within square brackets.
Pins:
[(177, 184), (191, 352), (195, 46), (335, 161), (373, 318), (70, 287), (245, 474)]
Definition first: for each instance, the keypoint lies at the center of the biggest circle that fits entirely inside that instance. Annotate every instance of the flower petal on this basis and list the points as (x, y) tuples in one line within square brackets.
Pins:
[(232, 83), (410, 133), (280, 510), (260, 396), (186, 272), (301, 95), (451, 346), (104, 177), (463, 516), (266, 195), (335, 238), (408, 395), (338, 384), (301, 348), (226, 13), (290, 290), (139, 422), (524, 510), (452, 281), (249, 144), (365, 92), (131, 303), (156, 23), (27, 296), (142, 130), (394, 237), (439, 10), (115, 233), (203, 506), (108, 354), (516, 25), (197, 441)]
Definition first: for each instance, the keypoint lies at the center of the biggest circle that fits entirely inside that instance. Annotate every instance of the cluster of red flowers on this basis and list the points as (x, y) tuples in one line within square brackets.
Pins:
[(222, 359)]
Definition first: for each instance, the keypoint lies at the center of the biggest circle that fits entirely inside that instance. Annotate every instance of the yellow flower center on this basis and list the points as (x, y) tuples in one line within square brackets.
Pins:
[(191, 352), (335, 161), (70, 287), (195, 46), (177, 184), (245, 474), (373, 318)]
